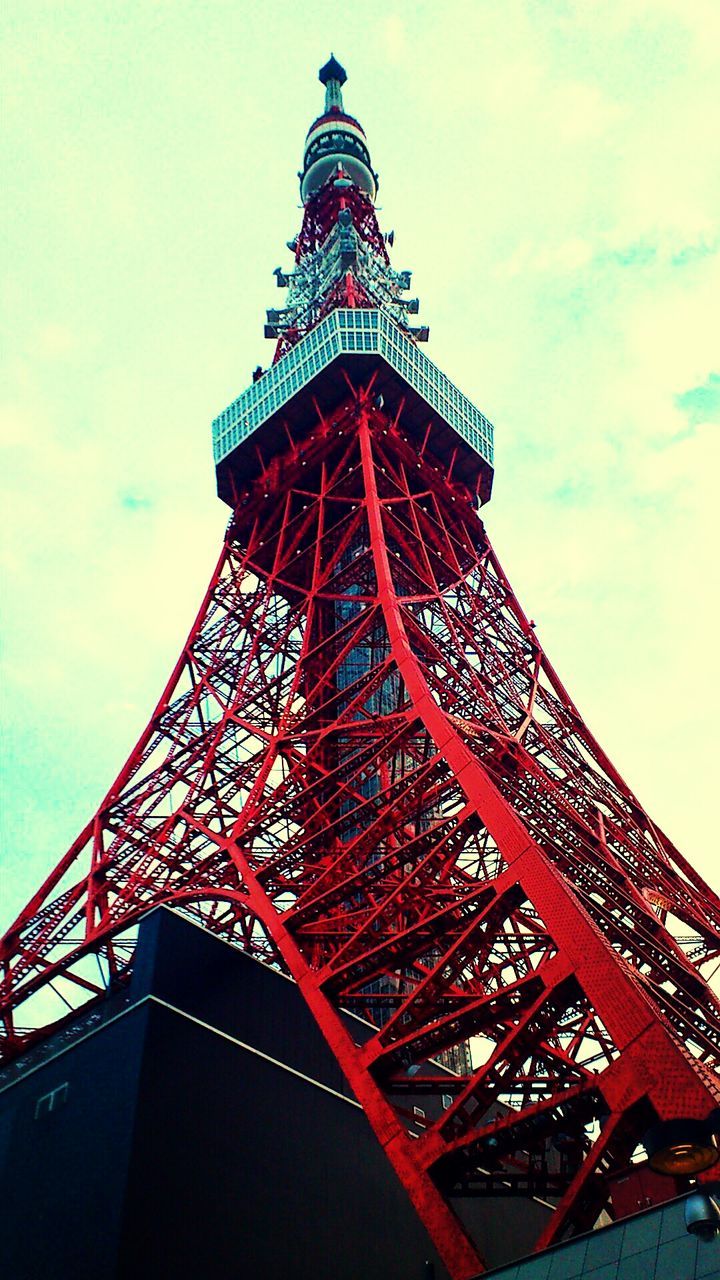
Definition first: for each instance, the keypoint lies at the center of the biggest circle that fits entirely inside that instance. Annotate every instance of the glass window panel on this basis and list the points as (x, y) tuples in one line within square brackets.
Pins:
[(351, 330)]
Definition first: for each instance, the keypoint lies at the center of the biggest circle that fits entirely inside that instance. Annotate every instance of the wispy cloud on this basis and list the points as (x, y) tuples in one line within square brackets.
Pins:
[(702, 404), (135, 502)]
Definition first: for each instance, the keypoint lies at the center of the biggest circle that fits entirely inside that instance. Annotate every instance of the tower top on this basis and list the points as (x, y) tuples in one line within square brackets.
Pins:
[(332, 71), (335, 140)]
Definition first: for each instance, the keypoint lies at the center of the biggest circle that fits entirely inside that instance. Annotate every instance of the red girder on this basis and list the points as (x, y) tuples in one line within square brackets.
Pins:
[(365, 770), (321, 214)]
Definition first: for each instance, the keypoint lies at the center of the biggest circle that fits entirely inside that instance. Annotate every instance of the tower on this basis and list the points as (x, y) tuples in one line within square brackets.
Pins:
[(365, 770)]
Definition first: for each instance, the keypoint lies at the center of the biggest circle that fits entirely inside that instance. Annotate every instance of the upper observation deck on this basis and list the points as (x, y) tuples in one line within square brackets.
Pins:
[(359, 341)]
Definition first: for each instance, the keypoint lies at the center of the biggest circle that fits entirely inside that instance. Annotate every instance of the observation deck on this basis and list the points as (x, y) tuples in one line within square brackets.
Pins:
[(358, 341)]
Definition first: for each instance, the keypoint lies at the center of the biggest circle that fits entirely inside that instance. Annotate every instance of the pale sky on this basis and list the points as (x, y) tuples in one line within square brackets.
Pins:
[(552, 173)]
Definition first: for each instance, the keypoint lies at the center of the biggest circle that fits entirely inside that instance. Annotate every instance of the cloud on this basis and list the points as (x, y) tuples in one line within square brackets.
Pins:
[(135, 502), (701, 404)]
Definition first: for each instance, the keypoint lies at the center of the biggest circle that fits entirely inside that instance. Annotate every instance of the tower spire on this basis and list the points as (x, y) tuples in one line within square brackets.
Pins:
[(333, 76), (341, 256), (336, 139)]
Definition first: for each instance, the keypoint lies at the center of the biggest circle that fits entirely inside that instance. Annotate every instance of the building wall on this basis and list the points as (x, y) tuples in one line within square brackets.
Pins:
[(653, 1245), (207, 1131), (63, 1171)]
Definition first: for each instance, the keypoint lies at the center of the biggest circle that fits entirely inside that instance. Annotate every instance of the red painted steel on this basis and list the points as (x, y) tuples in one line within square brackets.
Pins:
[(365, 770)]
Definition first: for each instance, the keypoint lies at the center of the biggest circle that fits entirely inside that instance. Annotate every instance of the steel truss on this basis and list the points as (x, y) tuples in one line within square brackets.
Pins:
[(364, 770)]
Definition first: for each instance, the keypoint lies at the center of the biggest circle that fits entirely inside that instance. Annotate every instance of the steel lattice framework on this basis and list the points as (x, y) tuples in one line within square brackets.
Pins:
[(365, 770)]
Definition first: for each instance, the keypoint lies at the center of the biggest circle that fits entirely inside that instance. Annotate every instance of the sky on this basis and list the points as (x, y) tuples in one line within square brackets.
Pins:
[(552, 174)]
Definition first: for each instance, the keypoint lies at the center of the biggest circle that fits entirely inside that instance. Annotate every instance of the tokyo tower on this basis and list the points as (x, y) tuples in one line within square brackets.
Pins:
[(365, 771)]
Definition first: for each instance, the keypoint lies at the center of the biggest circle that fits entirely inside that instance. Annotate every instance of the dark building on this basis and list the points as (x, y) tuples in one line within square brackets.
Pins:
[(198, 1126)]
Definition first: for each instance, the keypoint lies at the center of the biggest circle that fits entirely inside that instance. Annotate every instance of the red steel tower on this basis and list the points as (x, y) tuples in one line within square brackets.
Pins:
[(365, 771)]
